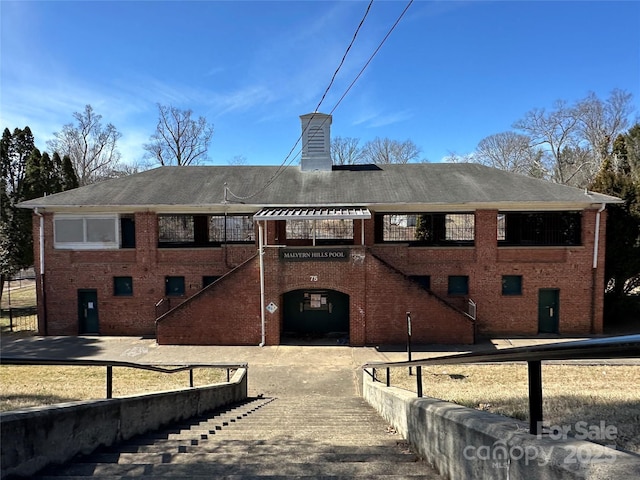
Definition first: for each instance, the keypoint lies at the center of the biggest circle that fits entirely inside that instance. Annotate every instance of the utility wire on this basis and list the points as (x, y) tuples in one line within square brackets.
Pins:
[(286, 162), (345, 55), (371, 57)]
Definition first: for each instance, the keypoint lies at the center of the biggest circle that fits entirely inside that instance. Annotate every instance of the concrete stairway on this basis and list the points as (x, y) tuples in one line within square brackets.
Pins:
[(265, 438)]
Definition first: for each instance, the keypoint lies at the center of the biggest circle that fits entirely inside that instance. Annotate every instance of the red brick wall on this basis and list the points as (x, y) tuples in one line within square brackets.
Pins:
[(379, 298), (66, 271), (390, 296), (225, 313), (380, 295)]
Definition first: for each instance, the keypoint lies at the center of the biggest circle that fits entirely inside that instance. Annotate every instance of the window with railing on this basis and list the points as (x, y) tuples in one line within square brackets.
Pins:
[(328, 231), (539, 228), (426, 228), (204, 230)]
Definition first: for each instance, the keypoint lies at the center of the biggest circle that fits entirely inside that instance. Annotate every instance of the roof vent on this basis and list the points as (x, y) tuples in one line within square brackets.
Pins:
[(316, 142)]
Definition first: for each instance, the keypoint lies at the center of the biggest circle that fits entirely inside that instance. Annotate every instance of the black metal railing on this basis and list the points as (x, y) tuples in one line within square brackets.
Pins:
[(109, 364), (627, 346)]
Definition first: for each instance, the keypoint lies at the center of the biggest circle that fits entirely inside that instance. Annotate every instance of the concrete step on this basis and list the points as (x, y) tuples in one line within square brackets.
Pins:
[(259, 447), (228, 458), (265, 438), (427, 476), (217, 470), (239, 427)]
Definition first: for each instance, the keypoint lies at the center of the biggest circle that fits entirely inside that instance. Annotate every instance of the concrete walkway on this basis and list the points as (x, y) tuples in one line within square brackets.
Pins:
[(302, 369)]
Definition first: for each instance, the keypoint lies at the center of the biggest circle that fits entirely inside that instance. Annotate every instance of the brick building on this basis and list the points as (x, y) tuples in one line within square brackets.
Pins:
[(251, 254)]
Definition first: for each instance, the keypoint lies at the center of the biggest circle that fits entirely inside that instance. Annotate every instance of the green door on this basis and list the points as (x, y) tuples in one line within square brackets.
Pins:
[(548, 310), (88, 311), (316, 312)]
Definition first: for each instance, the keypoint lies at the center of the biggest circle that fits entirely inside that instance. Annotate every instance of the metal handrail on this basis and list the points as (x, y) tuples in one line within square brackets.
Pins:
[(627, 346), (109, 364)]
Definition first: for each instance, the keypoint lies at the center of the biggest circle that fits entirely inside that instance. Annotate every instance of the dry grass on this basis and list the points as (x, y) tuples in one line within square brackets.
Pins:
[(23, 304), (22, 294), (27, 386), (571, 393)]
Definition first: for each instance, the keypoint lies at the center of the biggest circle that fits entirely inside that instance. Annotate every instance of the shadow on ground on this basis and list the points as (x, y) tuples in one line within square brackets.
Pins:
[(26, 346)]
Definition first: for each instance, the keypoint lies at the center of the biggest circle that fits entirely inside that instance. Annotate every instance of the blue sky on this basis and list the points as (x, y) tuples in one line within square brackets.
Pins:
[(450, 74)]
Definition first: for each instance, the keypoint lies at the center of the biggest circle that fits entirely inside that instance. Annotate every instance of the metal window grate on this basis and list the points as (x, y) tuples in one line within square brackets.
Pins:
[(240, 228), (540, 228), (428, 228), (204, 230), (322, 229), (175, 229)]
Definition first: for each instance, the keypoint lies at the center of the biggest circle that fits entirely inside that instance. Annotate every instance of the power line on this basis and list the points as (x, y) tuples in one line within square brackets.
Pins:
[(286, 162), (345, 55), (371, 57)]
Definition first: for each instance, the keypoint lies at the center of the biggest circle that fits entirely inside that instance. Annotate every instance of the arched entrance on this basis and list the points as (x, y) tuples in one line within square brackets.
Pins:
[(316, 313)]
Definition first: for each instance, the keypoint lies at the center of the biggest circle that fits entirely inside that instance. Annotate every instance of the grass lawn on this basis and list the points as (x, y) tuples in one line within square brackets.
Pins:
[(27, 386), (571, 394)]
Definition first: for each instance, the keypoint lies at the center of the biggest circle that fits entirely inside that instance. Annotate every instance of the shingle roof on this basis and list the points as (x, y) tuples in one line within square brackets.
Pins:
[(364, 185)]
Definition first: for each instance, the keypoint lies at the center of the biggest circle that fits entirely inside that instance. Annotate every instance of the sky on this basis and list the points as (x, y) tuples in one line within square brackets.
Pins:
[(450, 73)]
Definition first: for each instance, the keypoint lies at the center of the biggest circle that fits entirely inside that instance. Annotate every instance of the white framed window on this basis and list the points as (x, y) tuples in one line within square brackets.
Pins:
[(86, 232)]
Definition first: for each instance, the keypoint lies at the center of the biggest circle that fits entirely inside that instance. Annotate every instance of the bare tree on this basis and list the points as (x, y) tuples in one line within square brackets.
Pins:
[(179, 139), (600, 122), (509, 151), (238, 160), (556, 130), (345, 151), (385, 150), (455, 157), (90, 146)]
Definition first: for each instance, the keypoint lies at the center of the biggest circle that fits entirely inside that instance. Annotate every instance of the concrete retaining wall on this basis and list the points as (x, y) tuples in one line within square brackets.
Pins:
[(465, 443), (36, 437)]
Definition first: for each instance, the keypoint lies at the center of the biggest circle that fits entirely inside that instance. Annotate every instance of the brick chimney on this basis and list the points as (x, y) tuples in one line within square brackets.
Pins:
[(316, 142)]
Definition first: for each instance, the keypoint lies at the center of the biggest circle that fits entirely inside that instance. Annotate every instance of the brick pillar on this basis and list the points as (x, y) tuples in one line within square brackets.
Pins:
[(486, 236)]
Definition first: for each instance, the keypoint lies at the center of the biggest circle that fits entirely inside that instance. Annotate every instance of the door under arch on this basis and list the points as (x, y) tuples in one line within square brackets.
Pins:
[(316, 312)]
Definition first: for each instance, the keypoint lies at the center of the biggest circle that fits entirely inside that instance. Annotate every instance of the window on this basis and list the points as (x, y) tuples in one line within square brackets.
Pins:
[(423, 280), (204, 230), (127, 231), (447, 229), (512, 285), (240, 229), (86, 232), (174, 229), (209, 279), (458, 285), (328, 231), (122, 286), (540, 228), (174, 286)]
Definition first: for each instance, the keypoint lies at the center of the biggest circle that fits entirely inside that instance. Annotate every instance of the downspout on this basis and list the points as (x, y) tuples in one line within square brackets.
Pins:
[(594, 269), (596, 240), (42, 285), (262, 299)]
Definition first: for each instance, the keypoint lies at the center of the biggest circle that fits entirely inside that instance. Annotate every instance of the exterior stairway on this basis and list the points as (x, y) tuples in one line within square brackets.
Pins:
[(328, 437)]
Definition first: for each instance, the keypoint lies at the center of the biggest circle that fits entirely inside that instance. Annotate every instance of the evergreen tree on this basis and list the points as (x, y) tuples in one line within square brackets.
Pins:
[(33, 184), (622, 271), (16, 240), (51, 172), (26, 174), (69, 179)]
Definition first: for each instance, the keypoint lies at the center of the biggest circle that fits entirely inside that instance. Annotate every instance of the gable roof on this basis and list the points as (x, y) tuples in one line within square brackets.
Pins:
[(386, 186)]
